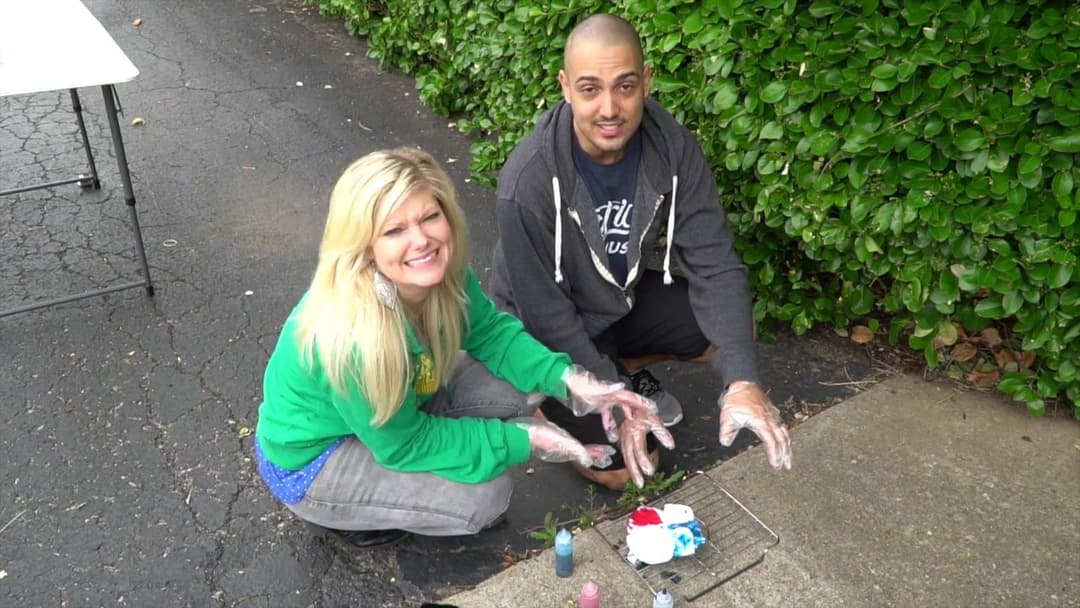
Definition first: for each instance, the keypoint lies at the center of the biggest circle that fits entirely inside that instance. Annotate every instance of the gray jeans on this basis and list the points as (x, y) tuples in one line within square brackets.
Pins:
[(353, 492)]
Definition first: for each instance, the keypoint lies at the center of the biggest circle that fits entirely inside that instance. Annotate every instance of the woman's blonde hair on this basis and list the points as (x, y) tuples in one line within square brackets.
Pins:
[(360, 343)]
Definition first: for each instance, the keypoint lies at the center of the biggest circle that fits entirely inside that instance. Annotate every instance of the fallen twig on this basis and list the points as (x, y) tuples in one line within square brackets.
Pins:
[(17, 516), (857, 383)]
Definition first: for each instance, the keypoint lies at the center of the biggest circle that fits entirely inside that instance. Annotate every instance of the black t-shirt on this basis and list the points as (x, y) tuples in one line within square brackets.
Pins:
[(612, 189)]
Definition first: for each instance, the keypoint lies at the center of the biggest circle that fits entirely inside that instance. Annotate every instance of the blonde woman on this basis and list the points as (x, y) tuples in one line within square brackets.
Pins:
[(397, 396)]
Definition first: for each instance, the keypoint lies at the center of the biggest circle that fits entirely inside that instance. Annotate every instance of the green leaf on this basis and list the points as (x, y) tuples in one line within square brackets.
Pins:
[(933, 126), (871, 244), (667, 84), (905, 71), (1036, 407), (939, 79), (931, 355), (1012, 382), (919, 150), (911, 294), (1060, 276), (860, 301), (822, 143), (1032, 180), (725, 97), (829, 80), (880, 86), (713, 64), (884, 71), (665, 20), (823, 8), (693, 24), (726, 8), (1067, 371), (1066, 143), (867, 120), (1029, 164), (860, 208), (1063, 184), (774, 92), (771, 130), (997, 162), (857, 174), (1011, 302), (990, 308), (969, 140), (1021, 96), (674, 60)]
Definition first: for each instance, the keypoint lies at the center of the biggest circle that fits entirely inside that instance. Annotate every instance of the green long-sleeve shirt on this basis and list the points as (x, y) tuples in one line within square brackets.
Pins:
[(301, 414)]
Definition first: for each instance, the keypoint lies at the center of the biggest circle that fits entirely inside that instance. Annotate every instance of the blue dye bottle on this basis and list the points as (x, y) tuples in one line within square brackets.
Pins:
[(663, 599), (564, 553)]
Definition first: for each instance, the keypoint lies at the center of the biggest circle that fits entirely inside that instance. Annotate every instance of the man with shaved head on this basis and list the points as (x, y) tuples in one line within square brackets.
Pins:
[(614, 248)]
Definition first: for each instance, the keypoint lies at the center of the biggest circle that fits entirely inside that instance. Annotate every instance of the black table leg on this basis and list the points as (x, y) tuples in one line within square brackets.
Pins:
[(108, 93), (92, 180)]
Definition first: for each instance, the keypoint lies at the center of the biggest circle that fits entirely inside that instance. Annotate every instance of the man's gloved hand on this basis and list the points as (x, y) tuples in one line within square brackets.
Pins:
[(635, 450), (744, 404), (551, 443), (590, 395)]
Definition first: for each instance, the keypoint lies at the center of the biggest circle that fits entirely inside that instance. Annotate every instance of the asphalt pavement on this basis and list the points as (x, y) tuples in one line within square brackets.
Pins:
[(128, 471)]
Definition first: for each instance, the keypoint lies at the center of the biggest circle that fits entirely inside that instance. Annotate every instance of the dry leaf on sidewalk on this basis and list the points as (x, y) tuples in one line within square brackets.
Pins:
[(965, 351), (861, 334), (983, 379), (1004, 358), (990, 336)]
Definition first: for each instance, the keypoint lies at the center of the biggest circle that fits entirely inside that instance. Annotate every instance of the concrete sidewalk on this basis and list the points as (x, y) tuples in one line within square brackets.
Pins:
[(910, 494)]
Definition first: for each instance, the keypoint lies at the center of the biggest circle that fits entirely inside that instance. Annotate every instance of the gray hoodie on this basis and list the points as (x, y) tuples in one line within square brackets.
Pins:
[(550, 268)]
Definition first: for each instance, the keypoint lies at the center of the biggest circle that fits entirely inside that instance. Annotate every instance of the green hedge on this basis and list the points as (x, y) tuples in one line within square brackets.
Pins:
[(914, 162)]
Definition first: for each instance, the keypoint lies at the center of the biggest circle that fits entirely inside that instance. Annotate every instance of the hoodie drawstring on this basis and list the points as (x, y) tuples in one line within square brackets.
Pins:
[(558, 228), (670, 231), (557, 200)]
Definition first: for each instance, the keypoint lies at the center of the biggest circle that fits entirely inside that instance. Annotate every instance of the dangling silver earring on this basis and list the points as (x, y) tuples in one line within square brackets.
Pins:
[(385, 290)]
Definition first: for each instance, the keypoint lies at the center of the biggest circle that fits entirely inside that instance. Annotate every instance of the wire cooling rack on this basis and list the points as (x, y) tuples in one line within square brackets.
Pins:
[(737, 541)]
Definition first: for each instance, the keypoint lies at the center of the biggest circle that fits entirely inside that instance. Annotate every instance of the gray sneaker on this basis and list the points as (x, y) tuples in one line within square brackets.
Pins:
[(646, 385)]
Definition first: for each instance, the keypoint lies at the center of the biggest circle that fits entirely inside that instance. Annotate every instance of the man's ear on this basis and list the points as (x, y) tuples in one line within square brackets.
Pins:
[(564, 82), (646, 80)]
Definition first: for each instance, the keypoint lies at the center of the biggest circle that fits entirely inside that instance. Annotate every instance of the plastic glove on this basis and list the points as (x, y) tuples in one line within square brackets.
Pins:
[(551, 443), (745, 405), (590, 395), (635, 451)]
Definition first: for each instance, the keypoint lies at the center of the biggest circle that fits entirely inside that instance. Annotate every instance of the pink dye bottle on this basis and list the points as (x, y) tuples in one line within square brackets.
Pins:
[(590, 595)]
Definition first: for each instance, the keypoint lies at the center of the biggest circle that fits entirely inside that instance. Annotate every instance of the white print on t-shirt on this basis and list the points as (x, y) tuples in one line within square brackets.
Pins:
[(614, 219)]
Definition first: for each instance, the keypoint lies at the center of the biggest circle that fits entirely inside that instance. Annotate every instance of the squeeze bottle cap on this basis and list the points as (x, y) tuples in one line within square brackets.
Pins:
[(590, 595)]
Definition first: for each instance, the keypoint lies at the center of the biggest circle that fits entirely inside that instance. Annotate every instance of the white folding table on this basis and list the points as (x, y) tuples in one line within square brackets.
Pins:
[(53, 45)]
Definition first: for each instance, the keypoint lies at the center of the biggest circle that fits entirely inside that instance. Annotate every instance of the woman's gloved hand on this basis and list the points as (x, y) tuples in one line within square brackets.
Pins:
[(745, 405), (635, 450), (590, 395), (551, 443)]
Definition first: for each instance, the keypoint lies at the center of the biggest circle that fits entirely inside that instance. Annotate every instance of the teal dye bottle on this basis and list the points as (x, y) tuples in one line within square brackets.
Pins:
[(564, 553)]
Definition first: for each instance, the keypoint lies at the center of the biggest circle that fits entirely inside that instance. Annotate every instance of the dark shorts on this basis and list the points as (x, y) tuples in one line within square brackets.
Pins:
[(661, 322)]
